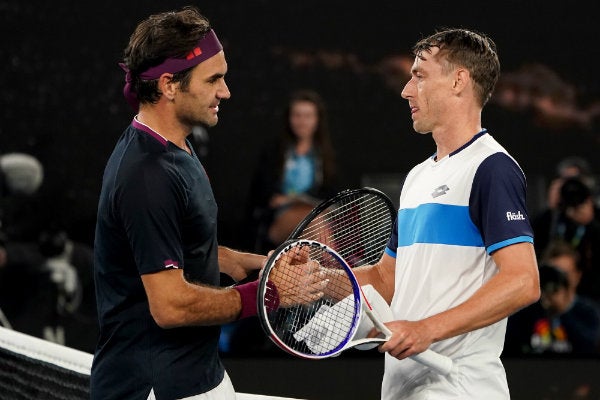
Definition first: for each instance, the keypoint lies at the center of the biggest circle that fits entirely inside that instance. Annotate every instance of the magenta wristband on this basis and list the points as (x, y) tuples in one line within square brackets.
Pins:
[(249, 296)]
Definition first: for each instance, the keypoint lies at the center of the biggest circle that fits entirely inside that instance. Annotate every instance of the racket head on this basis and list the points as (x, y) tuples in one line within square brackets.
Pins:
[(357, 223), (309, 326)]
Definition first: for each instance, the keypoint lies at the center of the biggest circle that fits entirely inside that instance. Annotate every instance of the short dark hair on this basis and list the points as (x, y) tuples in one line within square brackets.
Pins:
[(573, 192), (472, 50), (558, 248), (552, 279), (160, 36)]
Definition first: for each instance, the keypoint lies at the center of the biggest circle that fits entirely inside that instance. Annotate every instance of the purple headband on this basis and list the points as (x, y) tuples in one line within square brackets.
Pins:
[(207, 47)]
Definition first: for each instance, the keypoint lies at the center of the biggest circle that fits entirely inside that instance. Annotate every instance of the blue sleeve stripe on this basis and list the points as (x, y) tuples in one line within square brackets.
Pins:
[(438, 224), (390, 252), (508, 242)]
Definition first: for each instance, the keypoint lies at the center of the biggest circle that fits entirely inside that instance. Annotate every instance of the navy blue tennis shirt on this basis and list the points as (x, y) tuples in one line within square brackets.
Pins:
[(156, 211)]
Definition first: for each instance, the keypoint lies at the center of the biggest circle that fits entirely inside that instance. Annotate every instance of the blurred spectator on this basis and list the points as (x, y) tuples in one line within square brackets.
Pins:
[(570, 167), (295, 173), (69, 265), (46, 287), (46, 290), (575, 222), (21, 176), (561, 322)]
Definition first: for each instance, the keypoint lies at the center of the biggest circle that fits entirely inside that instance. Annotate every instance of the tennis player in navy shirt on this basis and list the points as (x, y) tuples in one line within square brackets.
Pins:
[(157, 261)]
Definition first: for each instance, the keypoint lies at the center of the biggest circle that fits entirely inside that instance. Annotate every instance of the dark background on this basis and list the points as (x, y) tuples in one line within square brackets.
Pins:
[(61, 87), (61, 101)]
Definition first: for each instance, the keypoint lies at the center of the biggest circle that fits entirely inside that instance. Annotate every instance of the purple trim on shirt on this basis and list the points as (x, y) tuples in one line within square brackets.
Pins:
[(169, 264), (138, 125)]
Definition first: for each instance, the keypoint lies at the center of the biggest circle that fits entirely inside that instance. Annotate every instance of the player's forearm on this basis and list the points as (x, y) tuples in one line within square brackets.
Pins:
[(175, 302), (199, 305), (224, 305)]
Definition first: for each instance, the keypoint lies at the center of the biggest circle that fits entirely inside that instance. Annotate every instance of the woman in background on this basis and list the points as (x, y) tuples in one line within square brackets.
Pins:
[(295, 173)]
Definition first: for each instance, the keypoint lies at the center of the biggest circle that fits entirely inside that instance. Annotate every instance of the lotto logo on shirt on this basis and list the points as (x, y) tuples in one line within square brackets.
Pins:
[(511, 216)]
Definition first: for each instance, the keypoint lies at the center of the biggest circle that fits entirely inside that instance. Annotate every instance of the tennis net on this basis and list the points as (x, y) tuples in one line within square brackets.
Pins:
[(35, 369), (32, 368)]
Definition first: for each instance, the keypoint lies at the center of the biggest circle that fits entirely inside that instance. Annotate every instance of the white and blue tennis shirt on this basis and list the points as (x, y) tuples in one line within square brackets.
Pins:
[(454, 213)]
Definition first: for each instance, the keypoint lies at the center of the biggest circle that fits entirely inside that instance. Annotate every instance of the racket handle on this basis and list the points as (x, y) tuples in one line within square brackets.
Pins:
[(437, 362)]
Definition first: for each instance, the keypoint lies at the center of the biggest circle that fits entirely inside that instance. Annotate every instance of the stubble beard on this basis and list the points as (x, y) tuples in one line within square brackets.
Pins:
[(190, 118)]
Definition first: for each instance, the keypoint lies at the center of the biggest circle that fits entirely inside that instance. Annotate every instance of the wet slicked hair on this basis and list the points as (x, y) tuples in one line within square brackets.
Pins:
[(468, 49)]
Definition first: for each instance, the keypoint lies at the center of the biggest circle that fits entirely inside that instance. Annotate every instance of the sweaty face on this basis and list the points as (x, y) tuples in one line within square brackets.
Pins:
[(198, 104), (428, 91), (304, 119)]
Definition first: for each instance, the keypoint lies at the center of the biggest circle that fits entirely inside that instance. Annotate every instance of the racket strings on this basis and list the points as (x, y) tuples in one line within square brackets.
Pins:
[(374, 231), (357, 227), (364, 210), (313, 326)]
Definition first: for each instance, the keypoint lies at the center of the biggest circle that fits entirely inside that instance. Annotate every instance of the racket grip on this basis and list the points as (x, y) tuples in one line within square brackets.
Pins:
[(437, 362)]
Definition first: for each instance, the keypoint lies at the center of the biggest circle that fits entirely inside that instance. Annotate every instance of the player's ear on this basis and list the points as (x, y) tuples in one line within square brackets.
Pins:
[(166, 86), (462, 78)]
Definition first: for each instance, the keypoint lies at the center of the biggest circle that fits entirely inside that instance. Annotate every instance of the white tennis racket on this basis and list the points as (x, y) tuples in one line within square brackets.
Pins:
[(319, 305)]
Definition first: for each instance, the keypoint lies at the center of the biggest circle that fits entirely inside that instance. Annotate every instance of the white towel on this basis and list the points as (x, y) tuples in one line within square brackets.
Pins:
[(321, 336)]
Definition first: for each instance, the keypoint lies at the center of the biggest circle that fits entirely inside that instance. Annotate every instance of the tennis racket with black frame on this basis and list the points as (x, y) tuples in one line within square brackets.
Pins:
[(310, 304), (357, 223)]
